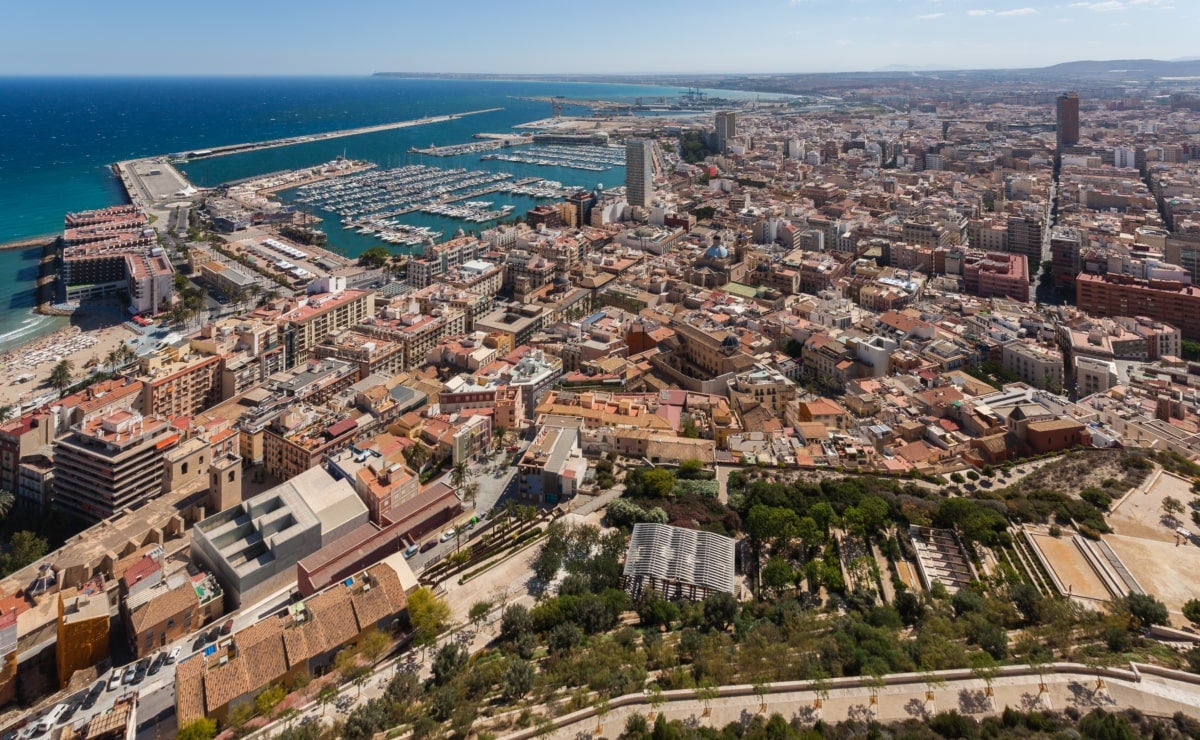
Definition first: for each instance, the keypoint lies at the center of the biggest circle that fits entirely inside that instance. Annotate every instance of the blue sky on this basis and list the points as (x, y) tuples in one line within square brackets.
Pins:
[(269, 37)]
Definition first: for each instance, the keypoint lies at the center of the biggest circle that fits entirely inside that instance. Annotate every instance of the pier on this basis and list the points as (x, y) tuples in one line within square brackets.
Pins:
[(220, 151)]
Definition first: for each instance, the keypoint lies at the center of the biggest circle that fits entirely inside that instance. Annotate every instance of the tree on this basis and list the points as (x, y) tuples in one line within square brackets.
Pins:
[(460, 474), (1144, 610), (707, 692), (1172, 506), (346, 663), (25, 548), (372, 644), (691, 468), (515, 622), (374, 257), (6, 502), (655, 482), (762, 687), (478, 612), (429, 614), (326, 696), (777, 575), (1191, 610), (720, 609), (416, 455), (269, 698), (199, 729), (985, 668), (518, 679), (448, 662), (60, 376), (654, 694), (602, 708)]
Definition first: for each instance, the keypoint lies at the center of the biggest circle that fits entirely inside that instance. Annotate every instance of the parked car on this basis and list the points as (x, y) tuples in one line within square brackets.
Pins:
[(174, 654), (130, 672), (159, 661), (114, 681), (447, 535), (227, 627), (47, 723), (428, 545), (411, 550), (139, 670), (72, 708), (93, 696)]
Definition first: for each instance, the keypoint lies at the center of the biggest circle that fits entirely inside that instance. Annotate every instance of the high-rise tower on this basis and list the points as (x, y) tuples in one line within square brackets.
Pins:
[(639, 173), (1067, 110)]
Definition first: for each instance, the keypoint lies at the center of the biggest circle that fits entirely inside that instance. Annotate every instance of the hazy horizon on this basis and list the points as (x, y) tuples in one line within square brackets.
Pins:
[(671, 37)]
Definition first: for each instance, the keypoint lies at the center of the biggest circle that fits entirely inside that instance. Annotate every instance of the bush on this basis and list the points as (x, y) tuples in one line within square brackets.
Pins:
[(706, 488), (625, 513)]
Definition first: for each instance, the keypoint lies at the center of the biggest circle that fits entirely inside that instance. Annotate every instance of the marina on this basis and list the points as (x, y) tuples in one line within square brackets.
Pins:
[(370, 202), (575, 157)]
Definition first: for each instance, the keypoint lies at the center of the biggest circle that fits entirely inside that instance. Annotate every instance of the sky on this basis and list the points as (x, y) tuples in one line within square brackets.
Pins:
[(357, 37)]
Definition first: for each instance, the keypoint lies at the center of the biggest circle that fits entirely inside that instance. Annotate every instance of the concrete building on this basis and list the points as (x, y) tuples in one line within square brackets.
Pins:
[(320, 315), (110, 463), (1094, 375), (1067, 119), (302, 437), (1120, 295), (176, 382), (83, 616), (19, 439), (253, 547), (639, 173), (553, 466), (1034, 364), (996, 275), (726, 129), (763, 386)]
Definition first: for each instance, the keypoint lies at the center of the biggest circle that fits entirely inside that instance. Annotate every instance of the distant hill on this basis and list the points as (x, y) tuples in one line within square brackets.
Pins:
[(1116, 71), (1125, 68)]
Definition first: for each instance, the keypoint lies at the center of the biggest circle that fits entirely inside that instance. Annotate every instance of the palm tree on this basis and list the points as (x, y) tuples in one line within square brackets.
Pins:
[(6, 410), (113, 358), (6, 502), (60, 376), (460, 474), (417, 456)]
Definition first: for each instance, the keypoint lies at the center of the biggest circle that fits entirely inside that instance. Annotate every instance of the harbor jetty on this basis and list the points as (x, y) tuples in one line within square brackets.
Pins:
[(220, 151)]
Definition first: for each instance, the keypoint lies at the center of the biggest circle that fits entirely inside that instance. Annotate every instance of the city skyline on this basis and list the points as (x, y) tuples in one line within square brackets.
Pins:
[(274, 38)]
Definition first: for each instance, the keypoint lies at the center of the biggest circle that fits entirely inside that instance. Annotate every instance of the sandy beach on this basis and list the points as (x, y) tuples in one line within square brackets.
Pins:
[(89, 338)]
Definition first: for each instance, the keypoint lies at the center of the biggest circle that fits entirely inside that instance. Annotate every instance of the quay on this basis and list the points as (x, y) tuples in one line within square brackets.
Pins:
[(221, 151)]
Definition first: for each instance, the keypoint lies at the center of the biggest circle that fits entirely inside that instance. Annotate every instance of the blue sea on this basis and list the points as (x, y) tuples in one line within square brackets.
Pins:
[(59, 136)]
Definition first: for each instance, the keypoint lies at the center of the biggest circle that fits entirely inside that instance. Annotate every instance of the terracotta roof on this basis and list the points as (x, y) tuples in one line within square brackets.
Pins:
[(265, 660), (224, 683), (332, 613), (189, 690), (302, 642), (164, 606)]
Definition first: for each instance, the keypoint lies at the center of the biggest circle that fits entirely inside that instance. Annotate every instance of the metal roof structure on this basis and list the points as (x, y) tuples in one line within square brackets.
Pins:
[(663, 554)]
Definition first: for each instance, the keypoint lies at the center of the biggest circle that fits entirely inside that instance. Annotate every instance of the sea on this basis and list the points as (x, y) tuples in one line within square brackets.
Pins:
[(59, 136)]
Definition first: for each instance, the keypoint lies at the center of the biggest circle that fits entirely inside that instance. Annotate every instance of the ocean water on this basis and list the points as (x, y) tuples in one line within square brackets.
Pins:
[(59, 135)]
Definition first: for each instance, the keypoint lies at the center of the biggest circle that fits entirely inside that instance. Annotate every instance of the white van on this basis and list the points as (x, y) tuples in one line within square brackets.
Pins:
[(47, 723)]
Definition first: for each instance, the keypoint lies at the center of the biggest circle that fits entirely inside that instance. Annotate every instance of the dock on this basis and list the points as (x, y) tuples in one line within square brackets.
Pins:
[(221, 151)]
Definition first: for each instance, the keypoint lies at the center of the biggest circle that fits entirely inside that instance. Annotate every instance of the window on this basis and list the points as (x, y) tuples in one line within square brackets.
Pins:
[(183, 469), (232, 475)]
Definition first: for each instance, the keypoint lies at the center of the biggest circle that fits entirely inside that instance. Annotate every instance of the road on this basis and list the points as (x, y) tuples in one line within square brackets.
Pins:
[(156, 694)]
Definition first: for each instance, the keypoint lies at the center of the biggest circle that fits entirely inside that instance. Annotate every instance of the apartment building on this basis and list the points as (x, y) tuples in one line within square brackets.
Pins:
[(109, 463)]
